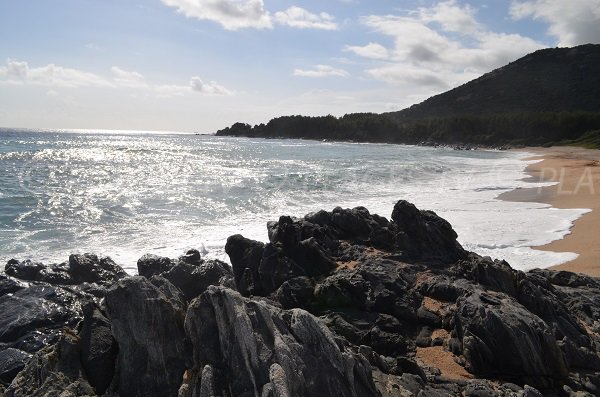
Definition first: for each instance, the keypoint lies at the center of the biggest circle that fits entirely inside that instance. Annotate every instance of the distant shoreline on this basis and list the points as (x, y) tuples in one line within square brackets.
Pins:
[(577, 171)]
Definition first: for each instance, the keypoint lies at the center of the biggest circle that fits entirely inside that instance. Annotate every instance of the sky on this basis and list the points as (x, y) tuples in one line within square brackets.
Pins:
[(201, 65)]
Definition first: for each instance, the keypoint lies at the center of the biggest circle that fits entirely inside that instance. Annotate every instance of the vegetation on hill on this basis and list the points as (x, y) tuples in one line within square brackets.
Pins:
[(548, 97)]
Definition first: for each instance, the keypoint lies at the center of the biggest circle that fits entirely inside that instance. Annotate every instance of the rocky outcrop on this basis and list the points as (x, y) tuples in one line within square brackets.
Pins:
[(251, 348), (148, 329), (336, 303), (86, 268)]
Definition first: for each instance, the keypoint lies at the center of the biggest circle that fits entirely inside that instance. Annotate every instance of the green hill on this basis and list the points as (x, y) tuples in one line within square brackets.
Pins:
[(547, 97)]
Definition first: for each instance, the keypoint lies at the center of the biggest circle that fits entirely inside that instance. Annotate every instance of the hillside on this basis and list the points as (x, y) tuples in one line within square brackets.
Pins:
[(549, 96)]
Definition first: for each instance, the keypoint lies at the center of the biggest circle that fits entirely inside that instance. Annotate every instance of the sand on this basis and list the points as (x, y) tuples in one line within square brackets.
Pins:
[(577, 172)]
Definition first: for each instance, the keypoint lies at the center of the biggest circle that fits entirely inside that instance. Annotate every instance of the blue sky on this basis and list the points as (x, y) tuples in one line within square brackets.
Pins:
[(200, 65)]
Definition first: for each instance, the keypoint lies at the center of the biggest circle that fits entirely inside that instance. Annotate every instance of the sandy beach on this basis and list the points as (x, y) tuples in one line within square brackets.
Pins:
[(577, 172)]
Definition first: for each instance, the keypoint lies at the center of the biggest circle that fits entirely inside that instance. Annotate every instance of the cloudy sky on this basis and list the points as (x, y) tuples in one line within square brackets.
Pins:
[(200, 65)]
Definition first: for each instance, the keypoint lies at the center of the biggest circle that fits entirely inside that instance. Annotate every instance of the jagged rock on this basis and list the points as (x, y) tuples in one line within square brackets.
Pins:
[(245, 256), (9, 285), (80, 269), (150, 265), (89, 268), (12, 361), (295, 292), (193, 279), (149, 331), (427, 236), (31, 318), (501, 338), (54, 371), (262, 350), (98, 348)]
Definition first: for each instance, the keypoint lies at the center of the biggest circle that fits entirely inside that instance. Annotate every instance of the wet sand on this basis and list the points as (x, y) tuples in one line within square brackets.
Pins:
[(577, 172)]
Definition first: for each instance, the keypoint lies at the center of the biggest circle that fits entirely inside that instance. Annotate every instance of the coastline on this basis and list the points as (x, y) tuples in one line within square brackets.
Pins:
[(577, 171)]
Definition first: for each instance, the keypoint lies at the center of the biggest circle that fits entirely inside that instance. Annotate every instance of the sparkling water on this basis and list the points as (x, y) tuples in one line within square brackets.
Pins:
[(124, 194)]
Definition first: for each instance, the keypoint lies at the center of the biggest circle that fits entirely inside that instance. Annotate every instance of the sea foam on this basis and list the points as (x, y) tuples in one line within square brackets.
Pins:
[(125, 195)]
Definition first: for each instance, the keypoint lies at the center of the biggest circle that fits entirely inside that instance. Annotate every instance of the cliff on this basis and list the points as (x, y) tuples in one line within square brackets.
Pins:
[(337, 303)]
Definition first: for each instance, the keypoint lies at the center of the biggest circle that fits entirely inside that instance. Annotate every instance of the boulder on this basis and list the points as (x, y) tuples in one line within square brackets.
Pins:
[(150, 265), (424, 235), (92, 269)]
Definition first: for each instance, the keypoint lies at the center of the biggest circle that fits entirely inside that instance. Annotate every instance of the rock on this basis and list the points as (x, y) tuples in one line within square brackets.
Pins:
[(9, 285), (25, 270), (193, 280), (53, 371), (33, 317), (80, 269), (150, 265), (263, 350), (89, 268), (149, 331), (12, 361), (98, 348), (427, 235), (245, 256), (502, 339), (296, 292)]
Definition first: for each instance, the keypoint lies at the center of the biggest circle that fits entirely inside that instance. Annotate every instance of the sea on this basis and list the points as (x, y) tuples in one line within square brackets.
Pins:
[(127, 193)]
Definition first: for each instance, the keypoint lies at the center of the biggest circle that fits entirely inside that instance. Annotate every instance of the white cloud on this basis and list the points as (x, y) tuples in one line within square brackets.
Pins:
[(572, 22), (242, 14), (440, 46), (321, 71), (19, 72), (231, 14), (297, 17), (210, 88), (371, 50), (451, 17), (124, 78)]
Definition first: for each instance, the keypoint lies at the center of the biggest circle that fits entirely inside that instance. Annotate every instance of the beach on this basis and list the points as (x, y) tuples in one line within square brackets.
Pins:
[(577, 172)]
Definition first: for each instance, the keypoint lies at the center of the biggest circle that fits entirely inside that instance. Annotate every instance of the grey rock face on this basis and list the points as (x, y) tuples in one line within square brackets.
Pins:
[(149, 331), (54, 371), (260, 350), (501, 338)]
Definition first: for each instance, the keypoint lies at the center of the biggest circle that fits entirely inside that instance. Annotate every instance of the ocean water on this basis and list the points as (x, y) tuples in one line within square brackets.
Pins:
[(124, 194)]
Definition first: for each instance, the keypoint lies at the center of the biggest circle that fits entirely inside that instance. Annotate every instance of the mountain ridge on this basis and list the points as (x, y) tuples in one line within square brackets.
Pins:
[(546, 97)]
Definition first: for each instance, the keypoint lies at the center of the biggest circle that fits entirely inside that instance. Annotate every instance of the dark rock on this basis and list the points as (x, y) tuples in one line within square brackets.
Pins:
[(9, 285), (98, 348), (150, 265), (89, 268), (12, 361), (245, 256), (427, 235), (501, 338), (193, 280), (192, 257), (25, 270), (295, 293), (171, 292), (53, 371), (262, 350), (149, 332), (32, 318)]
